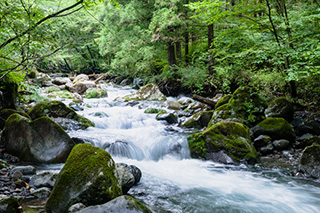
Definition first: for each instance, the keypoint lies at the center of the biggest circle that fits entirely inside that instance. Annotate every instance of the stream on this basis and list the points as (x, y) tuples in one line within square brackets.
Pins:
[(172, 181)]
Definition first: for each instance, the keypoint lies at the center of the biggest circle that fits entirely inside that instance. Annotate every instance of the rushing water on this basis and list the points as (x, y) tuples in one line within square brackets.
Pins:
[(172, 181)]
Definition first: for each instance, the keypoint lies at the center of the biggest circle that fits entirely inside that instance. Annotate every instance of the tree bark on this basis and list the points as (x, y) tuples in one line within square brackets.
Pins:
[(210, 48), (171, 55)]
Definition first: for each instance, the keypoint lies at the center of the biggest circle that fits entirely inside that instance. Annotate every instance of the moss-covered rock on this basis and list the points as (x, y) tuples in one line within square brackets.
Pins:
[(224, 100), (276, 128), (57, 109), (123, 203), (148, 92), (198, 120), (52, 89), (95, 93), (41, 140), (309, 164), (151, 110), (89, 176), (280, 107), (224, 112), (230, 137), (10, 205), (5, 113)]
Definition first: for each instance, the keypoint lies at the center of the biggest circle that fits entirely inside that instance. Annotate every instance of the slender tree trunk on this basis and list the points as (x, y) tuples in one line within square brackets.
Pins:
[(171, 55), (186, 47), (210, 48)]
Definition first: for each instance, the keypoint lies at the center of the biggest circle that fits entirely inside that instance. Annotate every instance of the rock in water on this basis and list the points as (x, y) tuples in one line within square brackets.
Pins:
[(59, 112), (230, 137), (41, 140), (123, 203), (149, 92), (309, 163), (89, 176)]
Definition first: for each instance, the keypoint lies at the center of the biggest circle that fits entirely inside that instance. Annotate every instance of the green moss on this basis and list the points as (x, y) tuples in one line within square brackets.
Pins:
[(52, 89), (154, 111), (223, 100), (5, 113), (88, 176), (231, 137), (136, 205), (222, 113), (96, 93), (198, 120), (280, 107)]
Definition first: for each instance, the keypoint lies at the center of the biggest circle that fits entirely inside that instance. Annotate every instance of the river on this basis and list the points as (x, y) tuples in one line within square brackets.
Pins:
[(172, 181)]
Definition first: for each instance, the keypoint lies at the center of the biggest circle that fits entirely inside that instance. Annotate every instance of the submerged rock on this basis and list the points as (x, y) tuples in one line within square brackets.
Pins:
[(41, 140), (280, 107), (61, 114), (89, 176), (149, 92), (123, 203), (276, 128), (309, 164), (230, 137)]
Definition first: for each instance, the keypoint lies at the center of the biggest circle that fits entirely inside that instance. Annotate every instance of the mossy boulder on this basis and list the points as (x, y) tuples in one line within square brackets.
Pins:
[(89, 176), (151, 110), (81, 86), (5, 113), (280, 107), (309, 164), (60, 113), (10, 205), (198, 120), (224, 100), (231, 138), (95, 93), (41, 140), (276, 128), (149, 92), (123, 203), (245, 105)]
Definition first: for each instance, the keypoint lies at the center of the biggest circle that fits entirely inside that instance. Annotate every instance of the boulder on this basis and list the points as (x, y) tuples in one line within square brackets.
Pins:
[(280, 107), (61, 81), (81, 87), (123, 203), (265, 150), (261, 141), (41, 192), (60, 113), (276, 128), (81, 77), (41, 140), (5, 113), (230, 137), (198, 120), (151, 110), (148, 92), (169, 117), (126, 178), (95, 93), (224, 100), (280, 144), (306, 140), (89, 176), (45, 179), (175, 105), (10, 205), (309, 164)]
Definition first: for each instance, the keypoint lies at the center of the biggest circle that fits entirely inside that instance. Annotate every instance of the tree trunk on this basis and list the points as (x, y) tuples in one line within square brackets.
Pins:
[(186, 47), (171, 55), (178, 51), (210, 48)]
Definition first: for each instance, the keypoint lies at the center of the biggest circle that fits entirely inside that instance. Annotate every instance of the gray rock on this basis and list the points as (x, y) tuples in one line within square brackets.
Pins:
[(309, 164), (41, 192), (81, 77), (149, 92), (61, 81), (220, 157), (123, 204), (45, 179), (82, 86), (280, 107), (127, 180), (261, 141), (175, 105), (306, 140), (76, 207), (25, 170), (169, 117), (265, 150), (281, 144)]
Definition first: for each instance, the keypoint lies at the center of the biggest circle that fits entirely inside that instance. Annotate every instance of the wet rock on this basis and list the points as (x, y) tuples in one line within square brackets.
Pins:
[(4, 165), (10, 205), (149, 92), (154, 111), (41, 192), (96, 93), (81, 87), (309, 164), (16, 175), (61, 81), (123, 203), (306, 140), (169, 117), (59, 112), (220, 157), (97, 185), (127, 180), (125, 82), (25, 170), (281, 144), (306, 122), (76, 207), (261, 141), (276, 128), (175, 105), (41, 140), (265, 150), (280, 107), (198, 120), (45, 179), (230, 137)]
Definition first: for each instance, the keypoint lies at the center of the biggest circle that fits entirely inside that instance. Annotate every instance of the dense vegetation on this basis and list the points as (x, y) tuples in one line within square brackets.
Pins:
[(201, 47)]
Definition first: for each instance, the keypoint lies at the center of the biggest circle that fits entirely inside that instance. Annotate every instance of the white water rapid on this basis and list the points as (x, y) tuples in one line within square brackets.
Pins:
[(172, 181)]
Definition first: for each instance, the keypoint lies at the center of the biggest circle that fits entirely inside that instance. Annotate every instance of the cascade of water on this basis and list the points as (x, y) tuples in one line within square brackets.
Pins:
[(171, 181)]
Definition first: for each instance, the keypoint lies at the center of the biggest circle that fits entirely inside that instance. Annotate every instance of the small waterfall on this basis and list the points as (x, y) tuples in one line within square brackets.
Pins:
[(124, 149)]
